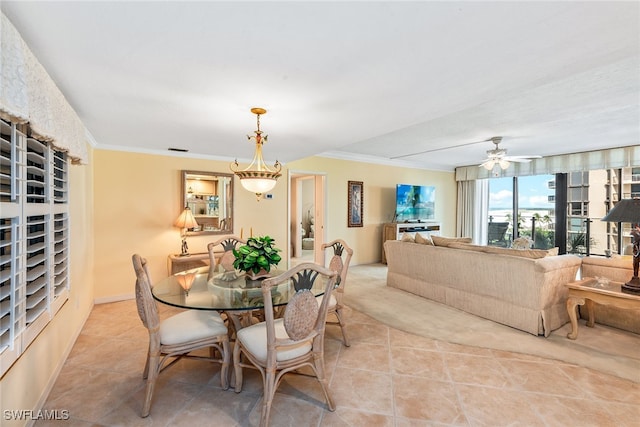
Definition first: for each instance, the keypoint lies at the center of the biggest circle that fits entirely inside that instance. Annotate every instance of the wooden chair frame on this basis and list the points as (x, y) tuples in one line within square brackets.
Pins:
[(159, 355), (273, 370), (342, 254), (226, 260)]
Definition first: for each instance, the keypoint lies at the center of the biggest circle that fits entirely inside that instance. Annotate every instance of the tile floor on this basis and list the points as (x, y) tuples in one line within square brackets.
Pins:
[(386, 378)]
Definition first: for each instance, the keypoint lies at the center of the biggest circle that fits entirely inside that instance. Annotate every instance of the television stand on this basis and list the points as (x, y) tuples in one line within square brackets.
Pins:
[(395, 230)]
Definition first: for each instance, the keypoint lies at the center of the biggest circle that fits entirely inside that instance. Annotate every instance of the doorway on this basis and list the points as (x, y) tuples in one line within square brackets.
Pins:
[(306, 217)]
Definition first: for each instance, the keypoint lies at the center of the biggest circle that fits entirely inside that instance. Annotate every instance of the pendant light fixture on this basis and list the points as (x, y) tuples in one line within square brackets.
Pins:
[(257, 177)]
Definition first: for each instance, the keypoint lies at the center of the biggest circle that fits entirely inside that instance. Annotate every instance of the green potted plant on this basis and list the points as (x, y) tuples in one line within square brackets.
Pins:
[(256, 257)]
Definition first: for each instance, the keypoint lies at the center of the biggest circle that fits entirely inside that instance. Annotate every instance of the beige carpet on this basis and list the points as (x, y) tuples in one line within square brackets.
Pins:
[(606, 349)]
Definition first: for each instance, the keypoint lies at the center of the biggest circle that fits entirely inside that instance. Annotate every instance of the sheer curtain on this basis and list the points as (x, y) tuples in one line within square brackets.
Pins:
[(473, 210), (481, 212)]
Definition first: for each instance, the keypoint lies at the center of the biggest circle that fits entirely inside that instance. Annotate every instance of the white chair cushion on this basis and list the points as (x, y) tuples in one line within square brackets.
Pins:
[(332, 301), (254, 339), (191, 325)]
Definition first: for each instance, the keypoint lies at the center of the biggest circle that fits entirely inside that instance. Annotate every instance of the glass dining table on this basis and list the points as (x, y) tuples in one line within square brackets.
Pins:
[(230, 292)]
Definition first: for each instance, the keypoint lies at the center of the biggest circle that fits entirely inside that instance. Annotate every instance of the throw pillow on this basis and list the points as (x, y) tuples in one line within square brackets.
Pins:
[(552, 251), (446, 241), (423, 240), (406, 237), (522, 243)]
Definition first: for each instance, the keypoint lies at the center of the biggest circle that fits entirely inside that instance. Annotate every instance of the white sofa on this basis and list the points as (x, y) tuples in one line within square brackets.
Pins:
[(524, 293), (617, 269)]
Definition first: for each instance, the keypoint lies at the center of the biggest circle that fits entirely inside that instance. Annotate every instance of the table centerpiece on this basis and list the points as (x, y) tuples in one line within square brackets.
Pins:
[(256, 257)]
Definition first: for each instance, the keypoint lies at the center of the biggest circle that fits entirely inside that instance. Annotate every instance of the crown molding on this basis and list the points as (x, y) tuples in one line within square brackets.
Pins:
[(170, 153)]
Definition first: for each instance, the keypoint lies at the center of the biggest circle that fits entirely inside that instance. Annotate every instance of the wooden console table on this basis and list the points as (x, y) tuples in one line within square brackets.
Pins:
[(587, 292), (177, 263)]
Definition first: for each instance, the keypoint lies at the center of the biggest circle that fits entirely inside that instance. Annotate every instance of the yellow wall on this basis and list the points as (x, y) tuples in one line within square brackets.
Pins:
[(27, 383), (137, 201), (138, 198), (379, 200)]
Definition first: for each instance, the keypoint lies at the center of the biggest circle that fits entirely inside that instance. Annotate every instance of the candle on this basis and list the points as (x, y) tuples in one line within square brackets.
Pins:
[(241, 231)]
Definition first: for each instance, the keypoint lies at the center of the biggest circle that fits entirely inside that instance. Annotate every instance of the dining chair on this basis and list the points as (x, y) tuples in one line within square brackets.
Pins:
[(175, 337), (279, 346), (228, 244), (340, 263)]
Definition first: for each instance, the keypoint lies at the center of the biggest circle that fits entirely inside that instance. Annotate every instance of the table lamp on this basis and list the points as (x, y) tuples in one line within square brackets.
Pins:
[(185, 221), (628, 210)]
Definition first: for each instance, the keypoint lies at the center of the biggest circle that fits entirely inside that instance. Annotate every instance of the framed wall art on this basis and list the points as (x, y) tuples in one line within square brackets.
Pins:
[(355, 196)]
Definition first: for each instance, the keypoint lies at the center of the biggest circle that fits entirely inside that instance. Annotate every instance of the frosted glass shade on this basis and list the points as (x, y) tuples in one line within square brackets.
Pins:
[(258, 185)]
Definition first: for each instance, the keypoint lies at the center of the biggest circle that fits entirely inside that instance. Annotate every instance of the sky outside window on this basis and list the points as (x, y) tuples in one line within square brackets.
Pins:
[(533, 192)]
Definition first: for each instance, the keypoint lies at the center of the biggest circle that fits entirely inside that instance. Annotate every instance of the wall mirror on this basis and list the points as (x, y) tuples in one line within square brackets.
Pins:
[(209, 195)]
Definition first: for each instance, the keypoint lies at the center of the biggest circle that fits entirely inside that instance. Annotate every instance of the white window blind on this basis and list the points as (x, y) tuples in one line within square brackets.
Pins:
[(34, 238), (613, 158)]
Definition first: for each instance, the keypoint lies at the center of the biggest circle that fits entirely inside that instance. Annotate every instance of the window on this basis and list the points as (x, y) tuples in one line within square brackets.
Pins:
[(589, 196), (578, 179), (34, 238), (534, 211), (578, 209), (635, 183)]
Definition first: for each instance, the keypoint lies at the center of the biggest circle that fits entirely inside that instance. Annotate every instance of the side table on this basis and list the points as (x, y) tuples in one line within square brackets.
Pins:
[(587, 291)]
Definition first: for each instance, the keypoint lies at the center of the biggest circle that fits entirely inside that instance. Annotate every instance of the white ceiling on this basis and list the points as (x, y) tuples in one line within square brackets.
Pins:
[(368, 80)]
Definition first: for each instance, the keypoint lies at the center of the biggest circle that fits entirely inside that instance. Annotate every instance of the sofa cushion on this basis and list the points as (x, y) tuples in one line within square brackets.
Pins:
[(446, 241), (423, 240), (468, 247), (406, 237), (524, 253)]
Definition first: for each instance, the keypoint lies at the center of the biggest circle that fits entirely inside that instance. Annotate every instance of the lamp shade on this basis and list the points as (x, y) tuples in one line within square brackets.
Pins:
[(186, 219), (626, 210), (185, 280)]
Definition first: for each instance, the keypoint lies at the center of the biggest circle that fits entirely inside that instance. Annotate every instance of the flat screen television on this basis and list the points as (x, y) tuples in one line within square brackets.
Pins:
[(414, 202)]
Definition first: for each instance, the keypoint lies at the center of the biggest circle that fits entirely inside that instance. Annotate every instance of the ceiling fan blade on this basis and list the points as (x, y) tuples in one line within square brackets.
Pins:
[(521, 159), (515, 158)]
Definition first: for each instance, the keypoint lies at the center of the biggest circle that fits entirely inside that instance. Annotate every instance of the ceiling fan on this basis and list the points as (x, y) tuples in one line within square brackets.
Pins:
[(498, 156)]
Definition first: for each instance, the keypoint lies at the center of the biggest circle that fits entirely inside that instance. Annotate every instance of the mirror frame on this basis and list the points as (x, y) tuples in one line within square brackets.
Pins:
[(228, 198)]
